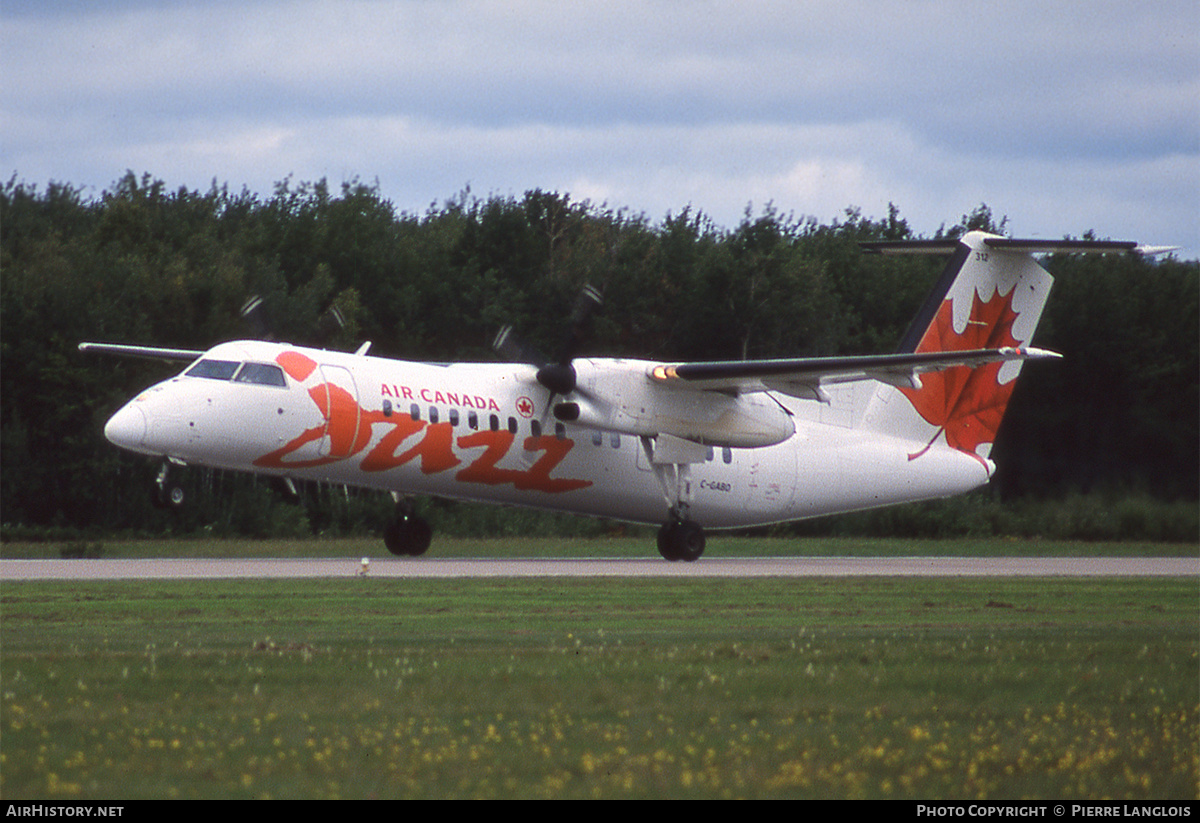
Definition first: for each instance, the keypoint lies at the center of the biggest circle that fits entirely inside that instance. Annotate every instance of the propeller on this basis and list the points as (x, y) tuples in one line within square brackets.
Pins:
[(258, 322), (252, 315), (558, 374)]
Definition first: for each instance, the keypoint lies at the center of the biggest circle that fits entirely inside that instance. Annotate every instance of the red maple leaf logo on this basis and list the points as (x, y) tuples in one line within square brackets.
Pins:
[(967, 404)]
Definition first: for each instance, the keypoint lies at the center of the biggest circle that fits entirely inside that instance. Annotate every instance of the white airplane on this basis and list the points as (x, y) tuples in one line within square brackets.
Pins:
[(694, 446)]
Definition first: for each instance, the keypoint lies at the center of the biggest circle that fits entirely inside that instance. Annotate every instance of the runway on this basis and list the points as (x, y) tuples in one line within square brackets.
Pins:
[(718, 567)]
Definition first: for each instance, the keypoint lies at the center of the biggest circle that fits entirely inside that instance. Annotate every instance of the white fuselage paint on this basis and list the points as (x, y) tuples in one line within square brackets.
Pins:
[(370, 422)]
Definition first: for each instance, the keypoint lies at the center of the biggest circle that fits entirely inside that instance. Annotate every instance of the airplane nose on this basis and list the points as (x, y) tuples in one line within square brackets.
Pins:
[(126, 428)]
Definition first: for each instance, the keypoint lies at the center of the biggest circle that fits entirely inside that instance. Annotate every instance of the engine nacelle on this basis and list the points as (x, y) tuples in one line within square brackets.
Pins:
[(610, 401)]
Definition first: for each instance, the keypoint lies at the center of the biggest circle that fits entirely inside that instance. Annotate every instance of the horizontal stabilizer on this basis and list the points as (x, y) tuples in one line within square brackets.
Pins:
[(1060, 246), (1028, 246)]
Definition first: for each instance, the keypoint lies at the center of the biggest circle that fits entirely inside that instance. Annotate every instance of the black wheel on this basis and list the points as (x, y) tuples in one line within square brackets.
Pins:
[(689, 541), (666, 543), (168, 497), (395, 536), (420, 535), (681, 540), (407, 536), (168, 494)]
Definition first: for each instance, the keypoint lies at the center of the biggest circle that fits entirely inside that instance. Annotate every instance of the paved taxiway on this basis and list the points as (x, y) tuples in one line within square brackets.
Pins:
[(432, 567)]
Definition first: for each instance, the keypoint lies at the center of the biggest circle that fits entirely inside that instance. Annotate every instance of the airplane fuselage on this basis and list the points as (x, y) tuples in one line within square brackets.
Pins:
[(484, 432)]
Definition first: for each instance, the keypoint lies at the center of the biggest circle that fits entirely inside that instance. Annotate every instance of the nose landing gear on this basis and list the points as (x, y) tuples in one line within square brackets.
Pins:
[(167, 492)]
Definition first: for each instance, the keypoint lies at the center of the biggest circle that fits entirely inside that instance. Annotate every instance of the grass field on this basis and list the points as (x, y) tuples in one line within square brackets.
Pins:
[(559, 688)]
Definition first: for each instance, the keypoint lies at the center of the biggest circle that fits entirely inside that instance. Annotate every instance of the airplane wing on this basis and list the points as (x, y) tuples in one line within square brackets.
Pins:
[(804, 377), (146, 352)]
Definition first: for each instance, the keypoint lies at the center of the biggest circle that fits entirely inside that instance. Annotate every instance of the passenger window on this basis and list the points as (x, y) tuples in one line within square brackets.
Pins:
[(494, 423), (433, 414), (512, 425), (597, 438), (414, 411), (560, 431), (264, 374), (214, 369), (454, 417), (727, 454), (473, 420), (615, 439)]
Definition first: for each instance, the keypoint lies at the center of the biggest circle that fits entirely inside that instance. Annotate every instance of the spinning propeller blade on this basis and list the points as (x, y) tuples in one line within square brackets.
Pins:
[(556, 375)]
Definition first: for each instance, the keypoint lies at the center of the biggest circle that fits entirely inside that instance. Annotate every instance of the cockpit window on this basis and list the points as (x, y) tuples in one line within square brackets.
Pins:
[(265, 374), (214, 369)]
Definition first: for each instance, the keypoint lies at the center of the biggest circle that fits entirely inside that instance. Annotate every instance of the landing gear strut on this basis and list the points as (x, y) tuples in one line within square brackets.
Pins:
[(671, 458), (406, 534), (167, 493)]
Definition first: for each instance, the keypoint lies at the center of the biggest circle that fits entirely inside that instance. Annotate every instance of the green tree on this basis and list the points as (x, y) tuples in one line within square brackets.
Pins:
[(144, 263)]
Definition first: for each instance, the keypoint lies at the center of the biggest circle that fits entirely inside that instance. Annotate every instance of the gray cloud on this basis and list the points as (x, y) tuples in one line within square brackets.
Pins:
[(1065, 118)]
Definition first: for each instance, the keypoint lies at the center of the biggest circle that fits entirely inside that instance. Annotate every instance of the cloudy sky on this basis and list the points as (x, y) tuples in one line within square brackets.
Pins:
[(1062, 116)]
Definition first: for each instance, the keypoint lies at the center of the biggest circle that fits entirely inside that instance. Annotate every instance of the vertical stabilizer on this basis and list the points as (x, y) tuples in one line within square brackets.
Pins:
[(989, 296)]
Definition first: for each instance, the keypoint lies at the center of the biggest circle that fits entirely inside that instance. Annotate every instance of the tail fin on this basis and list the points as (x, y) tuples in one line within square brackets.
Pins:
[(991, 295)]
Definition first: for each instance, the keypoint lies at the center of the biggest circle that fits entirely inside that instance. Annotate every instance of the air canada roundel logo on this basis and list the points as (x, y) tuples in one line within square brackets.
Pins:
[(525, 407)]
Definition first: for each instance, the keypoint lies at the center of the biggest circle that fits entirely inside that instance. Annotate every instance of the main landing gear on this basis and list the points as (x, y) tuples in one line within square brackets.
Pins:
[(672, 458), (406, 534)]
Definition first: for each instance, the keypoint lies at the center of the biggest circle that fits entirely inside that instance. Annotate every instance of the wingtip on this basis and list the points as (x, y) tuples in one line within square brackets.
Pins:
[(1150, 251), (1033, 353)]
